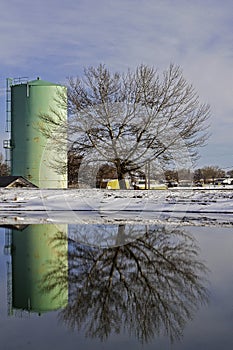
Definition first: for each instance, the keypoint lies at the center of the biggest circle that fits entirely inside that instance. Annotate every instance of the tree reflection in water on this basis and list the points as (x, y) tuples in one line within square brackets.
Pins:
[(149, 286)]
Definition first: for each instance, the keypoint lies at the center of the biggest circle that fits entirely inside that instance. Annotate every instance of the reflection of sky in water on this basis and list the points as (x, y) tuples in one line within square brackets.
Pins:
[(211, 327), (106, 236)]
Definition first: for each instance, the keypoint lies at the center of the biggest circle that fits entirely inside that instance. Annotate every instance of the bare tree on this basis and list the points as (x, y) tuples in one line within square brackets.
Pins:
[(4, 169), (132, 119), (210, 173), (230, 173)]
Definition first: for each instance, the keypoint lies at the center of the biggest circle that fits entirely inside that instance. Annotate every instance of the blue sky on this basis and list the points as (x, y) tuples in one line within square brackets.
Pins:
[(55, 39)]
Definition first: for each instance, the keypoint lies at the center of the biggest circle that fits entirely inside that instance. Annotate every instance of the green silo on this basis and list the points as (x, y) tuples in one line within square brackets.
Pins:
[(32, 153), (40, 268)]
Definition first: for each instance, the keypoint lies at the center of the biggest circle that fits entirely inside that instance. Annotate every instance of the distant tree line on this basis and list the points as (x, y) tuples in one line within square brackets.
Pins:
[(4, 169), (206, 174)]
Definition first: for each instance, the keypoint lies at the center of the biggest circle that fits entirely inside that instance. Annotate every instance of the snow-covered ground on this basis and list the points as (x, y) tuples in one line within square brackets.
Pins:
[(175, 206)]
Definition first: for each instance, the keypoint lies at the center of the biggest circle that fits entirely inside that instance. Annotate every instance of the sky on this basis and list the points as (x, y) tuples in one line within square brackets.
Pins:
[(55, 39)]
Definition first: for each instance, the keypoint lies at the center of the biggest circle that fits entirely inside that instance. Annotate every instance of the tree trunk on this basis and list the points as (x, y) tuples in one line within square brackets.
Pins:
[(122, 184), (121, 180), (120, 239)]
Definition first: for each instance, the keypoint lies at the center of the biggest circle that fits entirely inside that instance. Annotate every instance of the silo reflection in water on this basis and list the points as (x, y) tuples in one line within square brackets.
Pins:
[(33, 252)]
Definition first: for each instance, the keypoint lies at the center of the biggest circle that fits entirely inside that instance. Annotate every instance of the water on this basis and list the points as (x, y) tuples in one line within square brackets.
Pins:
[(119, 286)]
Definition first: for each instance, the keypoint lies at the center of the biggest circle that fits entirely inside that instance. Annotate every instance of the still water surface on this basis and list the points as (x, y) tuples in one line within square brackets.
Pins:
[(116, 286)]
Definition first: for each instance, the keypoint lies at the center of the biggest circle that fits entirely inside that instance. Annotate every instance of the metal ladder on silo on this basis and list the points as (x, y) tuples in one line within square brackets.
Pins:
[(7, 144), (9, 82)]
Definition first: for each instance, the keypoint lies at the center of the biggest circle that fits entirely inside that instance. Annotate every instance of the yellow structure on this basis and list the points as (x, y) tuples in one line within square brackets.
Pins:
[(114, 184)]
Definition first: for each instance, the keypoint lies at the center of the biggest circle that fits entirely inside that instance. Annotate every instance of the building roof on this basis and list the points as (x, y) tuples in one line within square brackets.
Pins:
[(15, 181)]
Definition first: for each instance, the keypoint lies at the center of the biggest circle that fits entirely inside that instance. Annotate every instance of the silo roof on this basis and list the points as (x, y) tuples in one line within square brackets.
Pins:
[(40, 82)]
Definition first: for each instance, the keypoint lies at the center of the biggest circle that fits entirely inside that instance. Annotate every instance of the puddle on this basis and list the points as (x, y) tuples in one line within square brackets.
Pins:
[(118, 285)]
